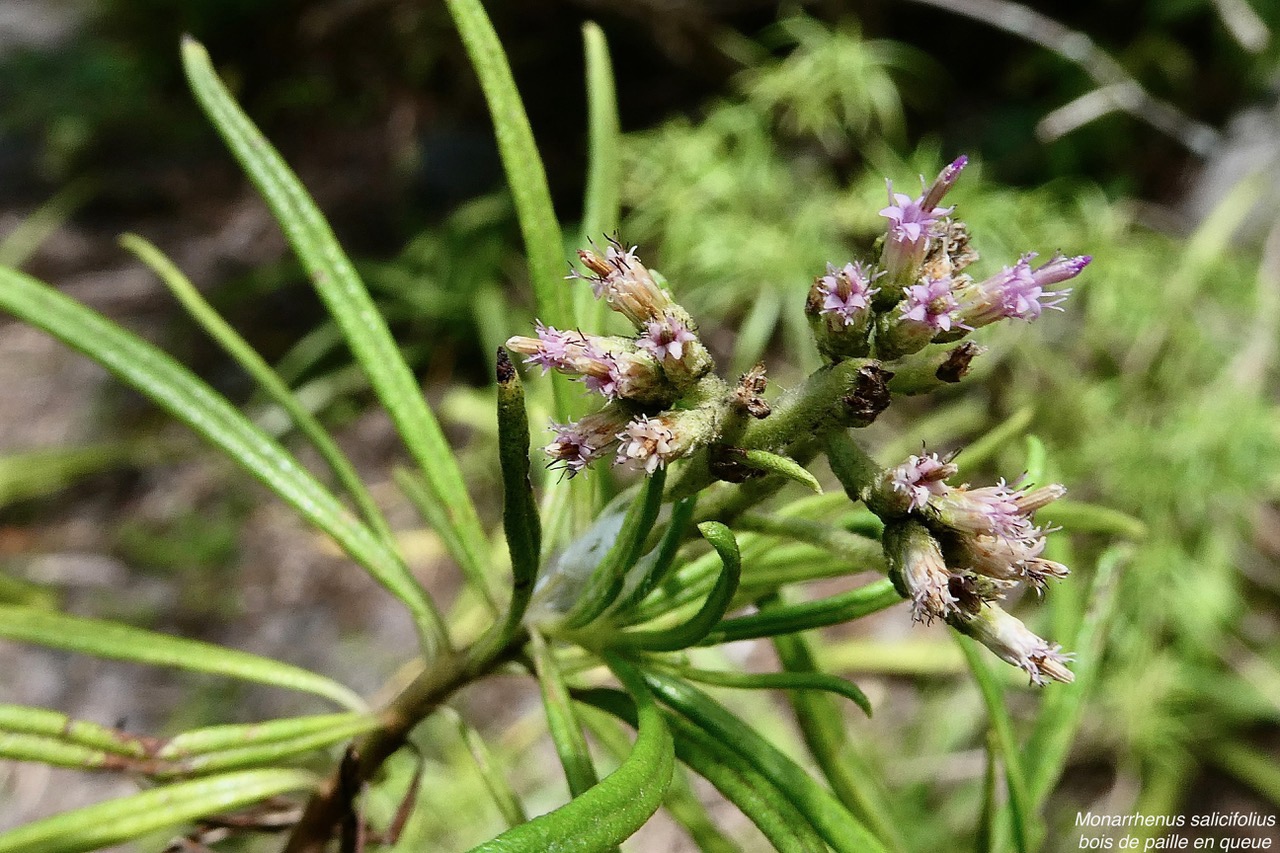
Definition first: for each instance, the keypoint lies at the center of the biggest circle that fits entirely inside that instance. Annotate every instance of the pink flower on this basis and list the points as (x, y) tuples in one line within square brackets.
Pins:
[(846, 292), (666, 338), (931, 305), (921, 477), (1019, 291), (648, 443)]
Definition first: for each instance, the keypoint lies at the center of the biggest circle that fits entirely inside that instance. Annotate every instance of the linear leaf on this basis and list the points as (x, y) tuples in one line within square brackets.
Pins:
[(744, 786), (772, 463), (566, 732), (606, 582), (262, 373), (844, 832), (856, 603), (620, 804), (663, 558), (854, 781), (504, 796), (120, 820), (26, 720), (712, 610), (267, 753), (520, 159), (1021, 811), (681, 802), (519, 508), (239, 735), (103, 639), (798, 681), (343, 292), (602, 198), (57, 753), (189, 399)]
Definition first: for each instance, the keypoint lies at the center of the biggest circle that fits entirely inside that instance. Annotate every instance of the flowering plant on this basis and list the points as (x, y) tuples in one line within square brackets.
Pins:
[(600, 597)]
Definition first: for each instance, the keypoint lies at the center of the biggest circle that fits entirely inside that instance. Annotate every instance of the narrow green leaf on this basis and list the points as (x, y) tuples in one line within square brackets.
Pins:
[(519, 508), (844, 607), (603, 196), (525, 174), (239, 735), (663, 558), (269, 752), (1079, 517), (103, 639), (170, 806), (504, 796), (190, 400), (343, 293), (1021, 810), (607, 580), (854, 781), (37, 473), (620, 804), (740, 783), (772, 463), (861, 552), (999, 437), (713, 609), (984, 842), (566, 733), (57, 753), (262, 373), (428, 504), (797, 681), (26, 720), (1062, 708), (829, 817), (681, 802), (22, 242)]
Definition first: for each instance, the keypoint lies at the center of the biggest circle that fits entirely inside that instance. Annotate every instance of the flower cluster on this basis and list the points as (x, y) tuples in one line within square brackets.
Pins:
[(924, 294), (640, 377), (953, 550)]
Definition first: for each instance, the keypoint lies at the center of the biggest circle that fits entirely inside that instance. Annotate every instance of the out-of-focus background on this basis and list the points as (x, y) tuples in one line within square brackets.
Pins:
[(758, 137)]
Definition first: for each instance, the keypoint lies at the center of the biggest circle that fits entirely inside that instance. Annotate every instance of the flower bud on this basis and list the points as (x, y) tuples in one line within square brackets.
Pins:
[(611, 367), (839, 310), (624, 283), (650, 443), (928, 309), (1014, 643), (919, 572)]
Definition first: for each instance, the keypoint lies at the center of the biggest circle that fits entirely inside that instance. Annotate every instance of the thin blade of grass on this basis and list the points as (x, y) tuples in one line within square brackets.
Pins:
[(602, 199)]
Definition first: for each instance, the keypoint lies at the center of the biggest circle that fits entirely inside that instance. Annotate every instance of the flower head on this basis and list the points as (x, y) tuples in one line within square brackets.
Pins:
[(666, 338), (931, 305), (846, 293), (920, 478), (624, 283), (1013, 642), (577, 445), (912, 223), (1019, 291), (648, 443), (919, 571)]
